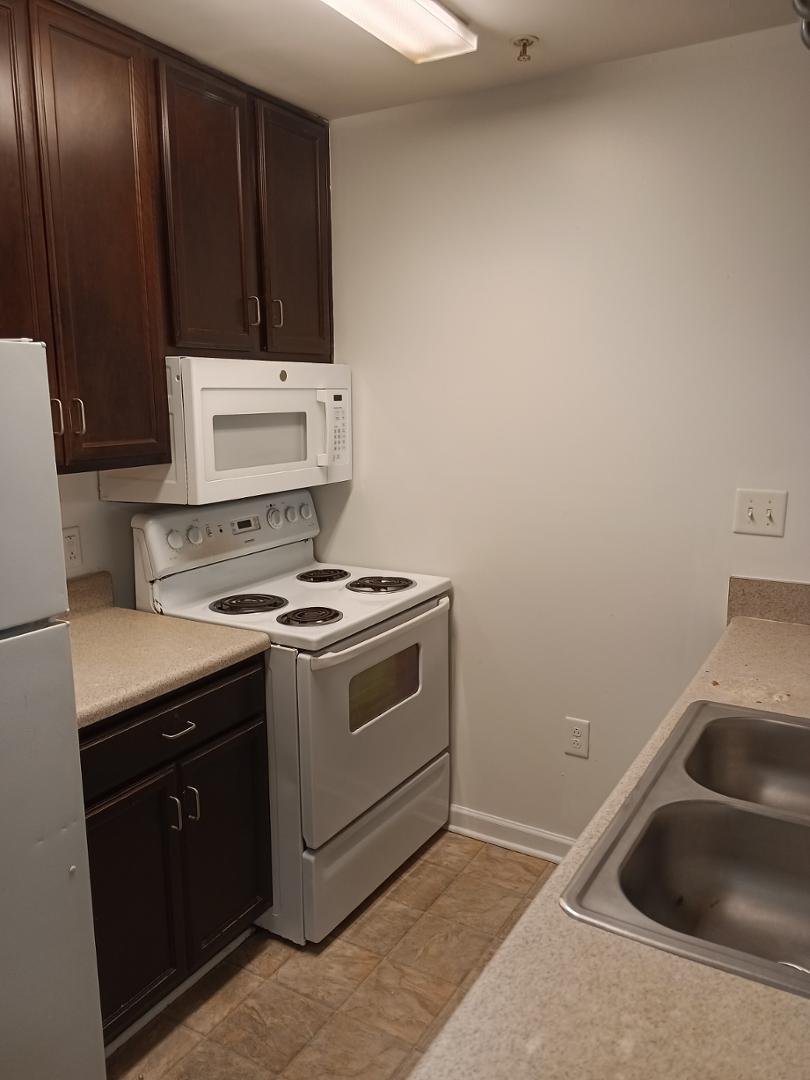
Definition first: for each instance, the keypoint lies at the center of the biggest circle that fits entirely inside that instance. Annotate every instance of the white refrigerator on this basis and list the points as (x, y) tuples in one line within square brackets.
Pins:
[(50, 1018)]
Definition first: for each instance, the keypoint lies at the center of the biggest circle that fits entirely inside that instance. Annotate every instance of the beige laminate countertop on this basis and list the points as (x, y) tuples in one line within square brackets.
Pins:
[(562, 1000), (123, 658)]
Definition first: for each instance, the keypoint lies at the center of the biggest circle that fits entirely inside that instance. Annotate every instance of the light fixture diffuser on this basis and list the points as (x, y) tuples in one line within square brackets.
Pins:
[(422, 30)]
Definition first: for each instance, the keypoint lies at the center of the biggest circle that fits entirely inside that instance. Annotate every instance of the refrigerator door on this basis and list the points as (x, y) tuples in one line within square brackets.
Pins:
[(32, 564), (50, 1022)]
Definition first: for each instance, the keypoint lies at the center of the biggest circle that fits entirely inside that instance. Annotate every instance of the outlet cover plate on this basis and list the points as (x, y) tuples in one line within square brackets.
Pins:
[(760, 513), (73, 548), (577, 737)]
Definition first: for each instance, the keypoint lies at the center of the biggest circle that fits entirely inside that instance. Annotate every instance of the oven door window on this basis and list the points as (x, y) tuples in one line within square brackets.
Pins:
[(259, 440), (379, 688)]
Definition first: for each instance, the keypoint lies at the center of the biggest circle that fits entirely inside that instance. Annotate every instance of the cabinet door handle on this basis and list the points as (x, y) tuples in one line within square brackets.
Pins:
[(197, 811), (258, 320), (82, 417), (278, 325), (180, 734), (179, 826), (59, 408)]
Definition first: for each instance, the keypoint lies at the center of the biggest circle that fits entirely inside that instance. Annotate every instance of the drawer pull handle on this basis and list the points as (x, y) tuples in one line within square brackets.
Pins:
[(179, 826), (186, 731), (197, 812)]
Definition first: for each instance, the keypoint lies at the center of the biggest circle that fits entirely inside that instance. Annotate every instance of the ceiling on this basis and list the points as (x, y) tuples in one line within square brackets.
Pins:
[(308, 54)]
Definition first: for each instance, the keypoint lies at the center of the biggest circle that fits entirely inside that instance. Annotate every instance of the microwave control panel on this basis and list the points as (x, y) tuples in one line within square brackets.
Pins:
[(340, 434)]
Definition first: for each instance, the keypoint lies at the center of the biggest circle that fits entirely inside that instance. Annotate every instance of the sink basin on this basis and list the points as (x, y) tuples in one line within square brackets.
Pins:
[(759, 760), (710, 855)]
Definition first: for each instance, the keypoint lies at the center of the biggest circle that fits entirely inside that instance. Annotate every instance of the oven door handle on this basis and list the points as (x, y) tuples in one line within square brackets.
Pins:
[(330, 659)]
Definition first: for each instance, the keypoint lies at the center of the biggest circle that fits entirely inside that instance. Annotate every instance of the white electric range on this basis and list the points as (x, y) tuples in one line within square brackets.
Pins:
[(357, 685)]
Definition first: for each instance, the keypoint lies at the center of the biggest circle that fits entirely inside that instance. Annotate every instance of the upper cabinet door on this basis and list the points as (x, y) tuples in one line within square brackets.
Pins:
[(210, 206), (295, 225), (24, 292), (100, 185)]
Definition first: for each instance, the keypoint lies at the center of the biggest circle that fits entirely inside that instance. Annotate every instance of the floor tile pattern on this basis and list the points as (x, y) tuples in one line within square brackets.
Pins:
[(367, 1002)]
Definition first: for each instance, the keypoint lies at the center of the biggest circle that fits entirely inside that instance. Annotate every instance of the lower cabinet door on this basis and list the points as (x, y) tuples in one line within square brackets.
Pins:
[(133, 840), (226, 839)]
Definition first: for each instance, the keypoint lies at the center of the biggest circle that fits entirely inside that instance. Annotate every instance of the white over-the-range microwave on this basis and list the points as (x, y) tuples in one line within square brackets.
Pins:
[(245, 427)]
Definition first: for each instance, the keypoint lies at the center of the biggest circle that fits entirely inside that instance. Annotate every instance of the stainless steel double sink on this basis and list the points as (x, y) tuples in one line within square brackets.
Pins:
[(709, 857)]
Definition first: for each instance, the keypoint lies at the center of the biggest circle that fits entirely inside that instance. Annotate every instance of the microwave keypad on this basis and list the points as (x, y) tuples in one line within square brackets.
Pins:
[(339, 436)]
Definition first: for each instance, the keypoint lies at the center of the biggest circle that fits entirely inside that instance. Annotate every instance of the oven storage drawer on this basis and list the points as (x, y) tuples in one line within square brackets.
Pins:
[(344, 872), (150, 736), (370, 716)]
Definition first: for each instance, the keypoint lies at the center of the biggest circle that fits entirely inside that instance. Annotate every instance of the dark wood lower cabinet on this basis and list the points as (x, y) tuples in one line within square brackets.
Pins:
[(137, 910), (227, 835), (179, 858)]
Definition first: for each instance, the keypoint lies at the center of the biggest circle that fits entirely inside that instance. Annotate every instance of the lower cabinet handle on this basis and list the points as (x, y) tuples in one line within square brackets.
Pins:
[(258, 320), (178, 807), (82, 417), (278, 325), (58, 403), (197, 811), (191, 726)]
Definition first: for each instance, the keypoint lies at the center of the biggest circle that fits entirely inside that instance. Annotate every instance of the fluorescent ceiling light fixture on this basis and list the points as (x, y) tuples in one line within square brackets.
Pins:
[(422, 30)]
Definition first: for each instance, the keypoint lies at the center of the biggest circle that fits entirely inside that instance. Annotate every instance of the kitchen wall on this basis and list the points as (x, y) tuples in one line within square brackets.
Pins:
[(576, 313), (106, 538)]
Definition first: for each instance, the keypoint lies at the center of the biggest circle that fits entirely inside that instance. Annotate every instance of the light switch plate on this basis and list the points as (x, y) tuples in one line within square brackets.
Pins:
[(760, 512)]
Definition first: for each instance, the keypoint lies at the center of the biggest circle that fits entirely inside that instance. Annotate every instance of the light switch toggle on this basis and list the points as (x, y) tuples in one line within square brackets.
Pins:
[(760, 513)]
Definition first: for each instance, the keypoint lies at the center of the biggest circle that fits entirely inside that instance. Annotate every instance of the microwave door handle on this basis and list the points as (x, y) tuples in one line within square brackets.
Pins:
[(331, 659), (324, 459)]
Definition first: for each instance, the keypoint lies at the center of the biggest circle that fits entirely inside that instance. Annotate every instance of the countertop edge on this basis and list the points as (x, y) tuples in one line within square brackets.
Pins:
[(171, 654)]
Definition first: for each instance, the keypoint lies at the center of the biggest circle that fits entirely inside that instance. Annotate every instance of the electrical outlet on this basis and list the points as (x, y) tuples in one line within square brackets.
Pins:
[(762, 513), (577, 737), (73, 548)]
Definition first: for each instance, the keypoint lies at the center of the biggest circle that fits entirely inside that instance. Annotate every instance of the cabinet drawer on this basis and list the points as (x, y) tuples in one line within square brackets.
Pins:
[(150, 737)]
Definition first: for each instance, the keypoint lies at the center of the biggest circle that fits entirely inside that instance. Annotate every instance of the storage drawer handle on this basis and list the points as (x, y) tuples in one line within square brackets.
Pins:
[(278, 325), (180, 734), (179, 826), (197, 811)]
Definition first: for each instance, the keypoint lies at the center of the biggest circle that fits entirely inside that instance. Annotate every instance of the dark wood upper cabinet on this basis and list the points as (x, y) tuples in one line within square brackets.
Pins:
[(210, 209), (227, 839), (293, 157), (24, 292), (95, 108), (133, 841)]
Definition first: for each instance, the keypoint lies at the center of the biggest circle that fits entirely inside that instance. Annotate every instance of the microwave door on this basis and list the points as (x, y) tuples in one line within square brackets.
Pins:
[(253, 441)]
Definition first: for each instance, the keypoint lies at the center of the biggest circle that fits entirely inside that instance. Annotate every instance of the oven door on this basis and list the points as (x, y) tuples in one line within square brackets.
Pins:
[(370, 716)]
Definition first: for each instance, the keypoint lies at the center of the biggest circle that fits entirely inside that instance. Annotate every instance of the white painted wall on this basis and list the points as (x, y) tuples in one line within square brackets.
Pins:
[(576, 313), (106, 537)]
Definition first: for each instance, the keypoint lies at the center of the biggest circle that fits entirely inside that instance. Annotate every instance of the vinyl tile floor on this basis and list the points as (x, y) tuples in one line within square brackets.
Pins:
[(368, 1001)]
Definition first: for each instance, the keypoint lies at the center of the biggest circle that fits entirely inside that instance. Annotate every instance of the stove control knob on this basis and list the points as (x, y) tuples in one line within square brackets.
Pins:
[(274, 518), (291, 514), (195, 535), (175, 539), (305, 510)]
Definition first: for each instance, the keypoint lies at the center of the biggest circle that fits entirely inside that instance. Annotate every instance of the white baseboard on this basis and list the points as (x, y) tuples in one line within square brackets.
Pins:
[(509, 834)]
